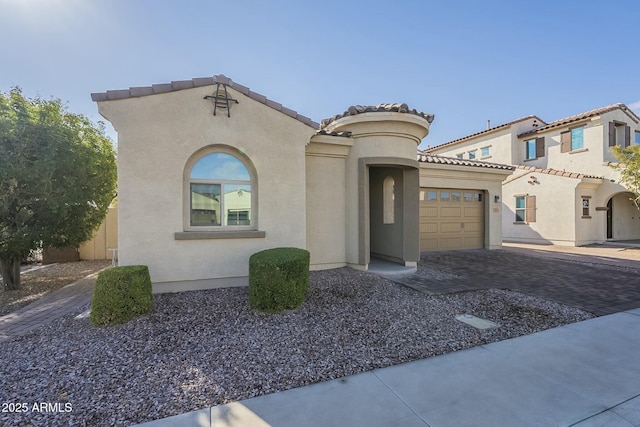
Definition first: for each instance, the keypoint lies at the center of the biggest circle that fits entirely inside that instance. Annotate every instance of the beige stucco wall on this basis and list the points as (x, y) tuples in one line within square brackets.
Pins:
[(157, 135), (472, 178), (375, 135), (326, 200)]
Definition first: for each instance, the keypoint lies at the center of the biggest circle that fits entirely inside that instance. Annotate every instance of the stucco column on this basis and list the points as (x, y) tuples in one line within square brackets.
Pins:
[(385, 136)]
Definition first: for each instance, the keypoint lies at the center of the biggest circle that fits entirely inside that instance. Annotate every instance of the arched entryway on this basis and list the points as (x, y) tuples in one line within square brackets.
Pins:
[(623, 218), (390, 210)]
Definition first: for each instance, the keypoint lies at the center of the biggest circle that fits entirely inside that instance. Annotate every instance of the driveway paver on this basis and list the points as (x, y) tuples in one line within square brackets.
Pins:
[(597, 287)]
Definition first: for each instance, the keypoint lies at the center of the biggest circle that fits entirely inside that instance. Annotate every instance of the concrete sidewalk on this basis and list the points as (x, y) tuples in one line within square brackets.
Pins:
[(584, 374)]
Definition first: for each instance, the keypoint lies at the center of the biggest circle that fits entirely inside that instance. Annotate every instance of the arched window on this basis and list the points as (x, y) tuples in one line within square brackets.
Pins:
[(220, 192), (388, 200)]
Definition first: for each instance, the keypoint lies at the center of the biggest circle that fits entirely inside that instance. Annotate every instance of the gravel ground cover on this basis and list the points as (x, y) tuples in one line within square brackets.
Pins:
[(203, 348), (38, 282)]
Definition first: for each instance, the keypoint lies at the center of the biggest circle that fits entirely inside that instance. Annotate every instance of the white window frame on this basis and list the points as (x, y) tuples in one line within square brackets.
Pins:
[(586, 208)]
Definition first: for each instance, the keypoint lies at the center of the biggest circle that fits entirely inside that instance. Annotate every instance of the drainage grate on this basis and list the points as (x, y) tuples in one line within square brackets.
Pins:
[(477, 322)]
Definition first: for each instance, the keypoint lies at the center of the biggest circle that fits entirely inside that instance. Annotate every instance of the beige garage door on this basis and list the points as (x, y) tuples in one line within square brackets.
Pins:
[(451, 219)]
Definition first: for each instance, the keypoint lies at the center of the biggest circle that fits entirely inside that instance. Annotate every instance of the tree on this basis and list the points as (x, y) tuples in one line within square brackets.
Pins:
[(57, 178), (629, 168)]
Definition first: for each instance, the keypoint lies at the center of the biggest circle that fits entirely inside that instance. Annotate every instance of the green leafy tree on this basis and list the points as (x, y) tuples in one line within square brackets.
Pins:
[(57, 178), (629, 168)]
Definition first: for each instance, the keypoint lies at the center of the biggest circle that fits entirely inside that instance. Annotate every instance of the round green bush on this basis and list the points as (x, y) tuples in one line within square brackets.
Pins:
[(120, 294), (278, 279)]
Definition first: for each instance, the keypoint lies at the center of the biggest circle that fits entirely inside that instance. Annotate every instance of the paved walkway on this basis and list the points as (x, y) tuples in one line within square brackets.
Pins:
[(581, 375), (598, 284), (52, 306)]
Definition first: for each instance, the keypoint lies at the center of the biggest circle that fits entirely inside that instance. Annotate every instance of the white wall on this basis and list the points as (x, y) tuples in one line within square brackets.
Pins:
[(500, 141), (555, 214), (326, 200)]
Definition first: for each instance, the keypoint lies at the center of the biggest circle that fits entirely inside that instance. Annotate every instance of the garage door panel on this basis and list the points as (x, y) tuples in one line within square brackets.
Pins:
[(473, 227), (428, 212), (450, 243), (473, 242), (451, 219), (473, 212), (450, 227), (431, 227), (447, 212), (429, 244)]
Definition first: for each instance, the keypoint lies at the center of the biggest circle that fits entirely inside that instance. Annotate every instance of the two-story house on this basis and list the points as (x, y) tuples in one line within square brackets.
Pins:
[(564, 190)]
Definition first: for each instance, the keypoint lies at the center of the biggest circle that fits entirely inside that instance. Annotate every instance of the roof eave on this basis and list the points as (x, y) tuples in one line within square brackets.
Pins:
[(137, 92)]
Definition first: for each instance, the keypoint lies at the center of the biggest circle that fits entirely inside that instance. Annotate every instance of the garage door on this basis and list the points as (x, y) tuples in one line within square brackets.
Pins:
[(451, 219)]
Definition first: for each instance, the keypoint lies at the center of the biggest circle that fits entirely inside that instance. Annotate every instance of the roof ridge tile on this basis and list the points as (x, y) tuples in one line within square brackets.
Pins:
[(437, 159), (500, 126), (583, 116), (556, 172)]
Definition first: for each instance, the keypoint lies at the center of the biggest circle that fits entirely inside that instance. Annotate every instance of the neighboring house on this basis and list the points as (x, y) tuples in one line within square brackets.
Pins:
[(210, 172), (564, 190)]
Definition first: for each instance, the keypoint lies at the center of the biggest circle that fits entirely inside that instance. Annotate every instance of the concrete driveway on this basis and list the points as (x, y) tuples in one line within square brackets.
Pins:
[(598, 280)]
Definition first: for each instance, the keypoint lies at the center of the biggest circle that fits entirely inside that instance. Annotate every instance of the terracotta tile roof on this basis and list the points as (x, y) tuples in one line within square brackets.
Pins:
[(582, 116), (563, 173), (333, 133), (473, 135), (134, 92), (359, 109), (434, 158)]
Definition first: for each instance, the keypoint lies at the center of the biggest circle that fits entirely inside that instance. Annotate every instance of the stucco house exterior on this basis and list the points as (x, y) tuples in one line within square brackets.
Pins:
[(210, 172), (564, 190)]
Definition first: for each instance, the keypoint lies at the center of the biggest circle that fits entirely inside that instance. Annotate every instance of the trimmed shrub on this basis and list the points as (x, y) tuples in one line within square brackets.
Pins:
[(121, 293), (278, 279)]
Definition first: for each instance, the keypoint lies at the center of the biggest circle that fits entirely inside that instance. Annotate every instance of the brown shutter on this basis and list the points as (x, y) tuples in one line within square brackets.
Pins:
[(530, 211), (627, 136), (565, 142), (540, 147), (612, 134)]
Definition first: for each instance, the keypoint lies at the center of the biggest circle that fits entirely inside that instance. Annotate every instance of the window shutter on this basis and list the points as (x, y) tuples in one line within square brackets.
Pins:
[(612, 134), (627, 136), (540, 147), (565, 142), (530, 211)]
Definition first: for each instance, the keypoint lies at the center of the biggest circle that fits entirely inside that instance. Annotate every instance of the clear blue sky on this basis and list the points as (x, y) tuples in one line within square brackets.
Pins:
[(464, 61)]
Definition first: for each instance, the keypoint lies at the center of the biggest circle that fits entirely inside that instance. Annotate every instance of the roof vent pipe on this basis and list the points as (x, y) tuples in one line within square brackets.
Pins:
[(488, 124)]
